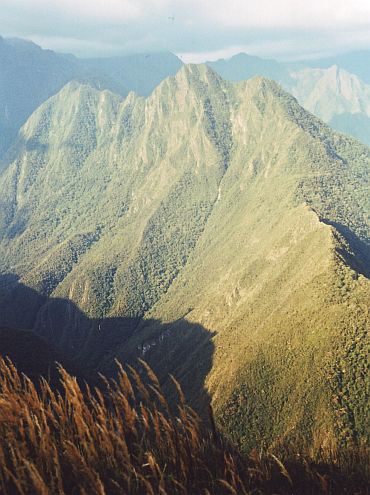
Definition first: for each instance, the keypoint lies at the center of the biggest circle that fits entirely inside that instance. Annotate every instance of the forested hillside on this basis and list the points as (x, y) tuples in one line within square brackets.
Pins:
[(221, 228)]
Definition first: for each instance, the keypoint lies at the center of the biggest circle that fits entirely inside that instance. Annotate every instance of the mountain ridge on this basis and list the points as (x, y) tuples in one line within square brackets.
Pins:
[(41, 73), (222, 205), (33, 75)]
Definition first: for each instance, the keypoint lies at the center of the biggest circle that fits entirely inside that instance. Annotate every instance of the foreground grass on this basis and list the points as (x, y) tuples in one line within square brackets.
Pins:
[(124, 439)]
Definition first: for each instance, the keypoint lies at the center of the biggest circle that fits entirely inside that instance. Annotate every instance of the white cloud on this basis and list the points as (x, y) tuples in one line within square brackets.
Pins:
[(97, 9), (293, 47), (198, 29), (287, 13), (199, 57), (230, 13)]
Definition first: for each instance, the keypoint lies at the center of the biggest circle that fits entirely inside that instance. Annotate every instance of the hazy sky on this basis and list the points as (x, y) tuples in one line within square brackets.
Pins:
[(198, 30)]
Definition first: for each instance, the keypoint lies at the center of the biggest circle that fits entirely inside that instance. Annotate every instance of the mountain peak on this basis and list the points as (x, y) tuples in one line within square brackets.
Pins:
[(22, 44), (200, 72), (198, 79)]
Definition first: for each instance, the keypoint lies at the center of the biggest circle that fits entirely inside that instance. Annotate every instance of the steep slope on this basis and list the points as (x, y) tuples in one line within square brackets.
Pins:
[(120, 178), (276, 282), (209, 205)]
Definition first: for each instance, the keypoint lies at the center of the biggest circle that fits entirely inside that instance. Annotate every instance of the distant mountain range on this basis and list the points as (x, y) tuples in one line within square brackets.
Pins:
[(354, 62), (243, 66), (29, 75), (341, 99), (216, 229), (324, 87)]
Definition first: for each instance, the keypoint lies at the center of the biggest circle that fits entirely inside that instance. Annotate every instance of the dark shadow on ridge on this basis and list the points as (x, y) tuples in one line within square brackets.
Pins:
[(359, 259), (36, 330)]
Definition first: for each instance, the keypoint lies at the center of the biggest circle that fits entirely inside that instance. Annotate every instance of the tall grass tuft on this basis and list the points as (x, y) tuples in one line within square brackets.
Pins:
[(123, 438)]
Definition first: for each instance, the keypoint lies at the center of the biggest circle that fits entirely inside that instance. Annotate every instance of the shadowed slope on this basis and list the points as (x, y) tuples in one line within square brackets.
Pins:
[(60, 332)]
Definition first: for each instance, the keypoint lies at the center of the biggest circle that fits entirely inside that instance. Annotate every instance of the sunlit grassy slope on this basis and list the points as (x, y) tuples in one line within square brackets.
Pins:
[(226, 205)]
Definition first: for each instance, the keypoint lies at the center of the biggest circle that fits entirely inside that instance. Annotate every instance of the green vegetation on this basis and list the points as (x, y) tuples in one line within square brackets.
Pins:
[(224, 207)]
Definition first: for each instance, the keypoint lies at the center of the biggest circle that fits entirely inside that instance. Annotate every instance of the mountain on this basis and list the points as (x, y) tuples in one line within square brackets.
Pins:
[(30, 75), (341, 99), (220, 228), (331, 93), (243, 66), (140, 73), (355, 62)]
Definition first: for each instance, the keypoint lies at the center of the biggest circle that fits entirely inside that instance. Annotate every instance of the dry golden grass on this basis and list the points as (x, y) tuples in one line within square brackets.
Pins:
[(124, 439)]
